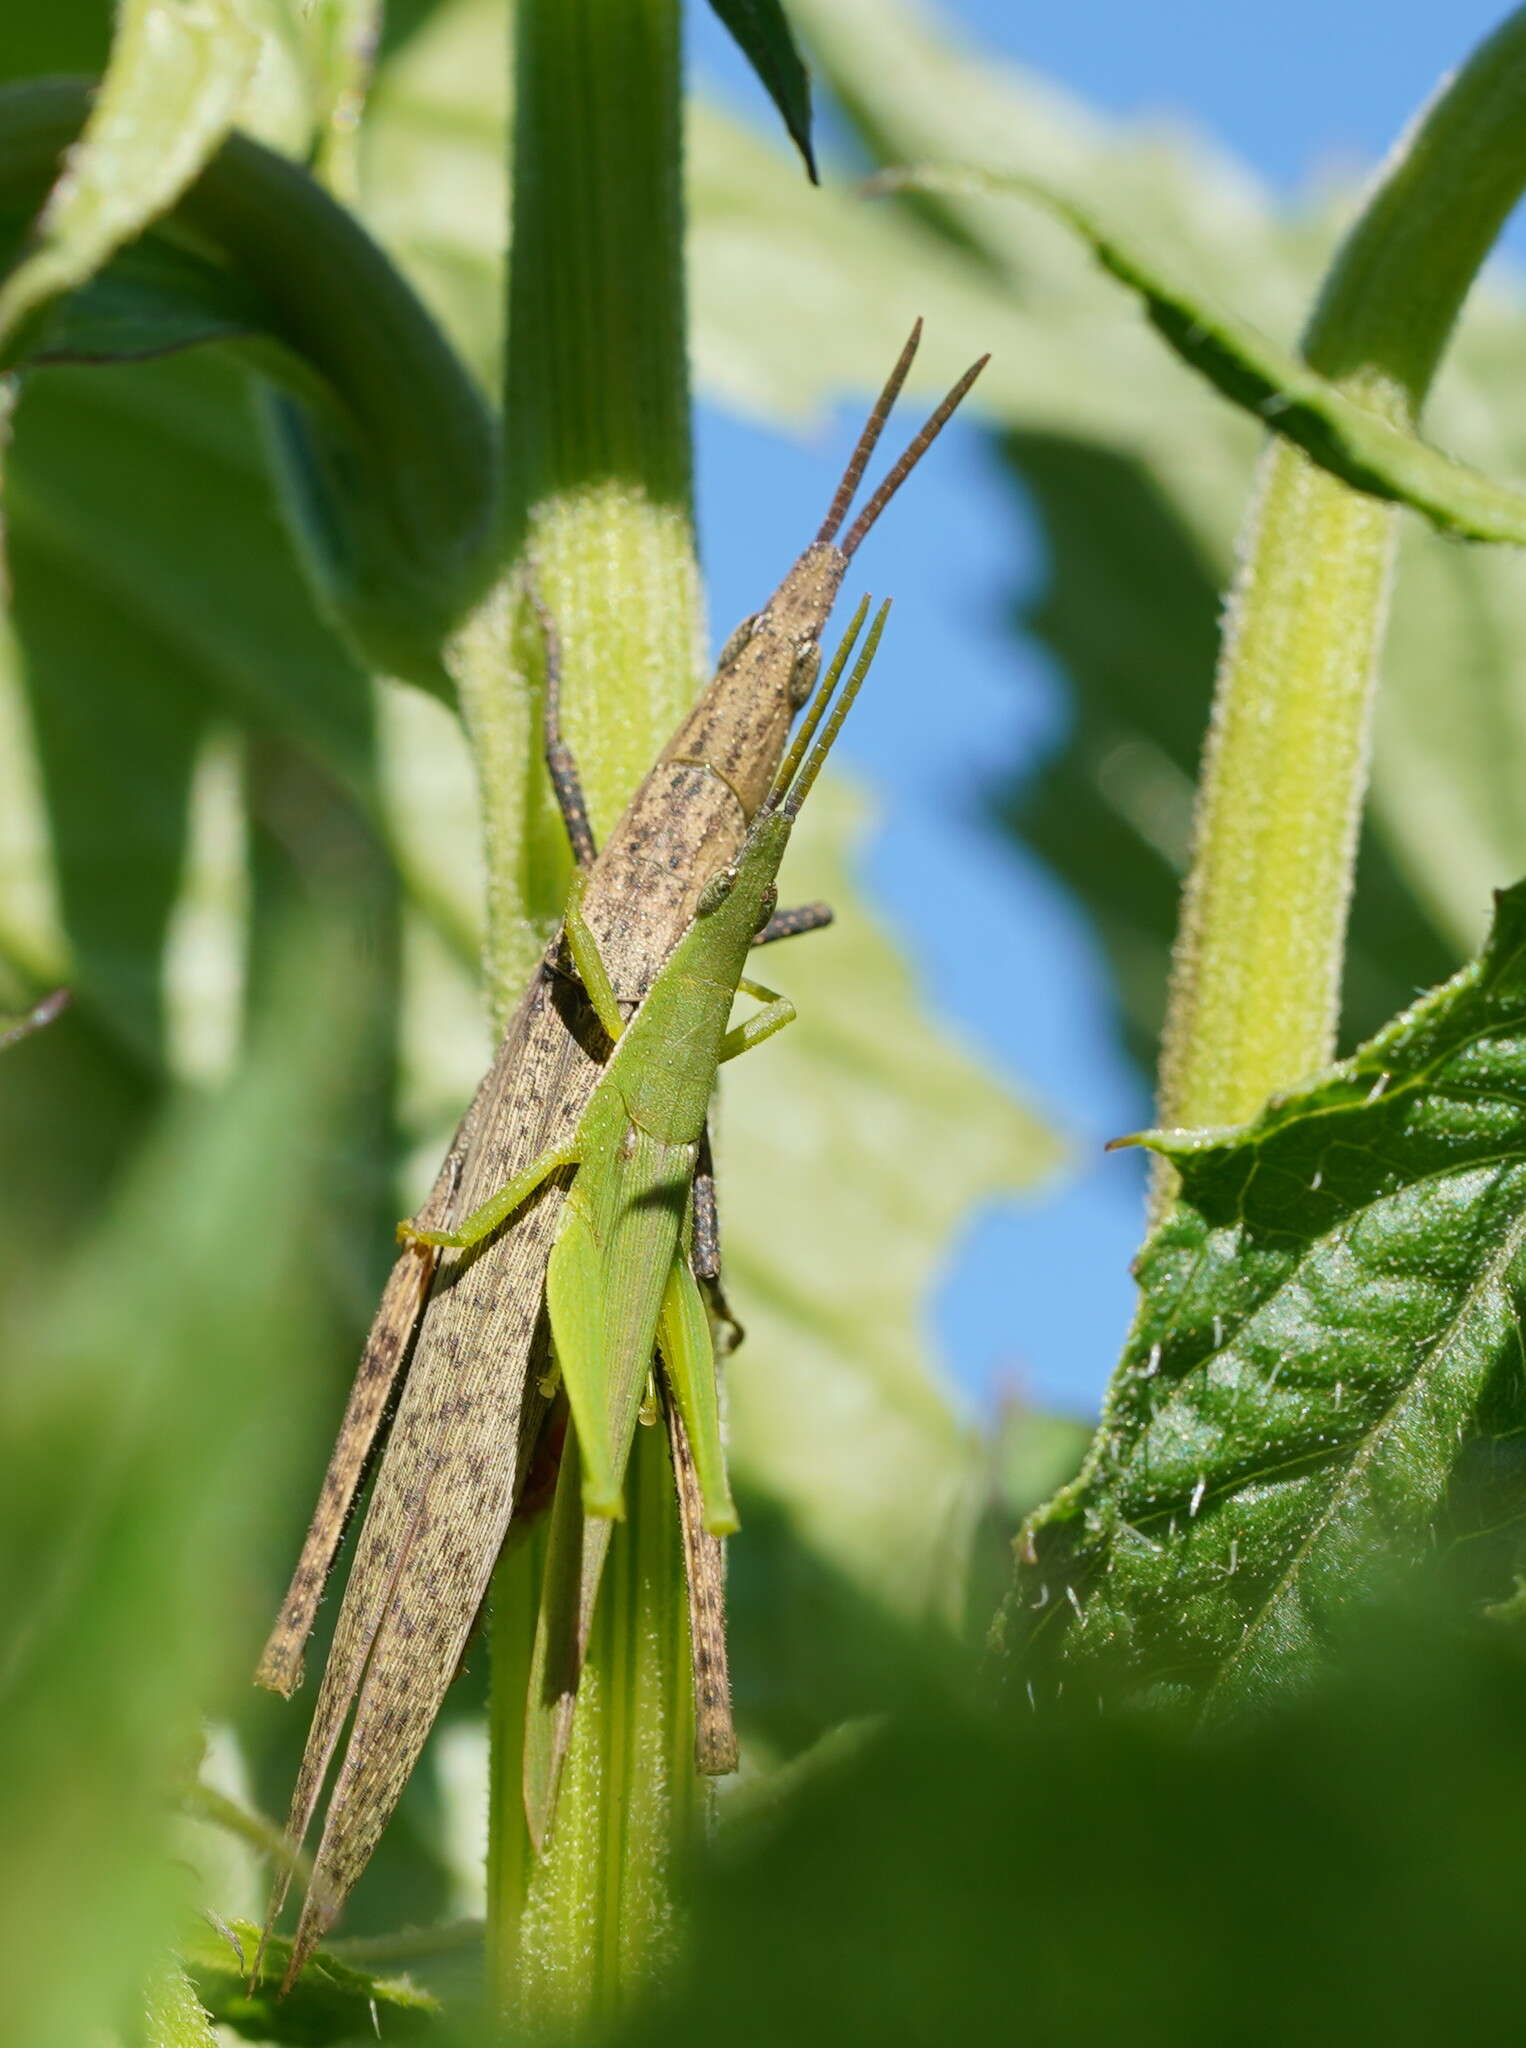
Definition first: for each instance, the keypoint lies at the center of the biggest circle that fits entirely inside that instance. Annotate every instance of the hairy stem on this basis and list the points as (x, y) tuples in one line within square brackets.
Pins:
[(599, 519), (597, 440), (1256, 978)]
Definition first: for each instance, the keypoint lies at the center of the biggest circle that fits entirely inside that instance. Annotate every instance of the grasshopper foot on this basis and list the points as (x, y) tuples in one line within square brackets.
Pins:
[(409, 1233)]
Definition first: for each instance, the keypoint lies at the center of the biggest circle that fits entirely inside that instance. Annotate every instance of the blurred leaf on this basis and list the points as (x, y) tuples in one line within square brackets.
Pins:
[(14, 1029), (762, 32), (1036, 1454), (1355, 443), (133, 641), (330, 2001), (389, 466), (1075, 372), (177, 72), (70, 36), (862, 1138), (150, 301), (151, 1396), (1093, 1880), (1132, 604), (1325, 1314)]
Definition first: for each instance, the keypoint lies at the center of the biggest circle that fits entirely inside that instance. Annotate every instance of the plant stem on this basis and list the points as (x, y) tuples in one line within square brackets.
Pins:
[(598, 513), (1256, 977), (597, 437), (595, 1917)]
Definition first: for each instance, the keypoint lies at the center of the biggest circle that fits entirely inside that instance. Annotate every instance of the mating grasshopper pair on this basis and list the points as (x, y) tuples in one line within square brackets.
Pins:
[(605, 1074)]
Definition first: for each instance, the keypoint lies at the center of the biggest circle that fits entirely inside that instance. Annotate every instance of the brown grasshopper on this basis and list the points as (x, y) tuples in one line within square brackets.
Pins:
[(463, 1333)]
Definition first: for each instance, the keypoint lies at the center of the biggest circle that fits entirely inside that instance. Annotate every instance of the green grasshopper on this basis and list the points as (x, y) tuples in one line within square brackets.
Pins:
[(619, 1281), (618, 1270), (459, 1332)]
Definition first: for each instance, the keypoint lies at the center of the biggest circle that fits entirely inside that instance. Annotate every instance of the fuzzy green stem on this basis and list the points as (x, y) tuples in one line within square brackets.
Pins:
[(597, 435), (1256, 978), (598, 514), (595, 1917)]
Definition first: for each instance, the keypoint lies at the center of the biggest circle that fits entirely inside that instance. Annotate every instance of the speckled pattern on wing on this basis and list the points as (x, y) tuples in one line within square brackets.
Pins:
[(470, 1408)]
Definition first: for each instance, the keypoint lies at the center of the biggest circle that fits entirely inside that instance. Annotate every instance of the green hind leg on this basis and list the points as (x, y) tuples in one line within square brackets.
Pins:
[(683, 1336), (575, 1284)]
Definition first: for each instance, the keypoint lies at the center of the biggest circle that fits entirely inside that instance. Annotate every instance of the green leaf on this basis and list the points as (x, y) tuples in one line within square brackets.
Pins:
[(1325, 1315), (177, 73), (762, 32), (1112, 433), (152, 1390), (389, 465), (151, 300), (136, 636), (176, 2017), (1358, 445), (1172, 1895), (330, 2001)]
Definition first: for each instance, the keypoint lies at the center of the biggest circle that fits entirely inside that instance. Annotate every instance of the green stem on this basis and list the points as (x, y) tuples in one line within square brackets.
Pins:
[(598, 512), (573, 1934), (1256, 978), (596, 408)]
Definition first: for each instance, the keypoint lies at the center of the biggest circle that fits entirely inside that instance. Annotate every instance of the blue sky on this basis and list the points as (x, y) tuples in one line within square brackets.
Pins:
[(1039, 1292)]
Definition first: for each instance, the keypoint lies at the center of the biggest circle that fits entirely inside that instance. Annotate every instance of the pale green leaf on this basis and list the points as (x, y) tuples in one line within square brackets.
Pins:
[(175, 2016), (132, 644), (1102, 412), (1272, 383), (851, 1146), (177, 72)]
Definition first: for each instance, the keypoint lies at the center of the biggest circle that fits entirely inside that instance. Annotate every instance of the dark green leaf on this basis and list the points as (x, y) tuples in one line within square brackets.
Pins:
[(154, 594), (762, 33), (390, 467), (1327, 1314), (1347, 1873), (330, 2001), (150, 300)]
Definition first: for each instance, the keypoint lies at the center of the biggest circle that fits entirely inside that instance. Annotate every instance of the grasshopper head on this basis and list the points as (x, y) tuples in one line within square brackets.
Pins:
[(745, 893)]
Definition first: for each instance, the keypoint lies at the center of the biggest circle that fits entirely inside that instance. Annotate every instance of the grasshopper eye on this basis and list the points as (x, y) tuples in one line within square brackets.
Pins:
[(738, 640), (715, 892), (767, 908), (803, 675)]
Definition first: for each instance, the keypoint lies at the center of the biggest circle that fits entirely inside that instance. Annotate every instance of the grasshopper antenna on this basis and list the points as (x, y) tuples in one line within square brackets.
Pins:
[(909, 460), (874, 426)]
